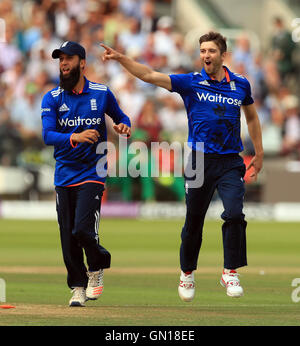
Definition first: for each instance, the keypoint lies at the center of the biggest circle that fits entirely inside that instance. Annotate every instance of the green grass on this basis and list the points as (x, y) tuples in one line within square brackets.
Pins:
[(141, 287)]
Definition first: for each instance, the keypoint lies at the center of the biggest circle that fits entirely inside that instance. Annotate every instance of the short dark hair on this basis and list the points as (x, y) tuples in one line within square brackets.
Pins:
[(216, 37)]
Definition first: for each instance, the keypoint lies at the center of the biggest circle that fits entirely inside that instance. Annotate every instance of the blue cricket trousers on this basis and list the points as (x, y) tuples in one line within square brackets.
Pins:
[(78, 213), (223, 173)]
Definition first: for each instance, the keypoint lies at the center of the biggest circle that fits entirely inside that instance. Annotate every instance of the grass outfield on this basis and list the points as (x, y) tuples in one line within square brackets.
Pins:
[(141, 287)]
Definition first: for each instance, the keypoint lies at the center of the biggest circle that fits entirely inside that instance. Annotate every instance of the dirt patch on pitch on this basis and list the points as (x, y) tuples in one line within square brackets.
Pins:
[(54, 310), (32, 270), (58, 315)]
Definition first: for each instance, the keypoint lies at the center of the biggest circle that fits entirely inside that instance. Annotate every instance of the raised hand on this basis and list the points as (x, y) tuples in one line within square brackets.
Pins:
[(109, 53)]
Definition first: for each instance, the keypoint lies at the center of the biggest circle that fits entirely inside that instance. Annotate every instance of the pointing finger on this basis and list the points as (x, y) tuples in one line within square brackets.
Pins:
[(104, 46)]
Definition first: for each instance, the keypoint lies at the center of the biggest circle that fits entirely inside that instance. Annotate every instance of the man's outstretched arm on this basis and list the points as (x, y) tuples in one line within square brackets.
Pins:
[(140, 71)]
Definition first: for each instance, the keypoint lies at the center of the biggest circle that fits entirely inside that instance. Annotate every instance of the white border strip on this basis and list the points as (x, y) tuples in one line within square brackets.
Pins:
[(46, 210)]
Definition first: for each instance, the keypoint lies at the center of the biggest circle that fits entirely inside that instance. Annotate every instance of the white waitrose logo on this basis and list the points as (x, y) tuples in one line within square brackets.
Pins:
[(64, 108), (78, 121), (218, 98)]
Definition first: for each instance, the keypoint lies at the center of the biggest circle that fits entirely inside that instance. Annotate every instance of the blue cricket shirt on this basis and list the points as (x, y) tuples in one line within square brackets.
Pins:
[(213, 109), (64, 113)]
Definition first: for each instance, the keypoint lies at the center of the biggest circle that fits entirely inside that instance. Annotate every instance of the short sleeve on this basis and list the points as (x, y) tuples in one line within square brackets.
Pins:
[(248, 100), (48, 107), (50, 134), (181, 83)]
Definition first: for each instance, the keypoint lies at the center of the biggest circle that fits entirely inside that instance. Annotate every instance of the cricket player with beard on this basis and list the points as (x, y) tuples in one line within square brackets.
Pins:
[(213, 99), (73, 119)]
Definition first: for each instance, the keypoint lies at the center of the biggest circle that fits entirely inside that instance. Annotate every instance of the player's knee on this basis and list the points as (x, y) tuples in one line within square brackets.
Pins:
[(83, 237), (193, 226), (233, 215)]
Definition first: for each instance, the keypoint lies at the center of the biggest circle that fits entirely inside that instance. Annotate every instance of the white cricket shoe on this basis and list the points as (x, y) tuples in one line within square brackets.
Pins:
[(95, 284), (231, 281), (79, 297), (186, 288)]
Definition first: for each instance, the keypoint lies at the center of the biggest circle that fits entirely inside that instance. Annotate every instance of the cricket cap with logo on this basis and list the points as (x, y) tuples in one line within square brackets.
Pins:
[(69, 48)]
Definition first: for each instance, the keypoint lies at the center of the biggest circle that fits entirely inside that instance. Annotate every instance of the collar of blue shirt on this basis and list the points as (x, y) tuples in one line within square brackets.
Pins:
[(229, 76)]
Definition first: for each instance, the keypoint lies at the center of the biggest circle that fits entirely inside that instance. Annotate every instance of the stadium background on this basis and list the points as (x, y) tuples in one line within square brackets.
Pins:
[(164, 35), (141, 286)]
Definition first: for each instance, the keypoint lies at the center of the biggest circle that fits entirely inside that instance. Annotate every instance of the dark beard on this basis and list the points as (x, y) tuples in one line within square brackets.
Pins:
[(68, 82)]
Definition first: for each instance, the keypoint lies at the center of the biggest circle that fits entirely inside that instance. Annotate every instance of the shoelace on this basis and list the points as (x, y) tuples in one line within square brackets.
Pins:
[(78, 293), (234, 280), (188, 283), (95, 278)]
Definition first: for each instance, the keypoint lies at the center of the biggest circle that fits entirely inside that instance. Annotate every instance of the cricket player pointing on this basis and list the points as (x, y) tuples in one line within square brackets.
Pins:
[(73, 118), (213, 99)]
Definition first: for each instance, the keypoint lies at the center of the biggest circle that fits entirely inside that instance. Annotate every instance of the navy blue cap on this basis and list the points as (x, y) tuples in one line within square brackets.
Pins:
[(69, 48)]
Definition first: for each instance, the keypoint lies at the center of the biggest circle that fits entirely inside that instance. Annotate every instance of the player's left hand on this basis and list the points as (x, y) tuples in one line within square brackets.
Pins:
[(122, 129), (256, 163)]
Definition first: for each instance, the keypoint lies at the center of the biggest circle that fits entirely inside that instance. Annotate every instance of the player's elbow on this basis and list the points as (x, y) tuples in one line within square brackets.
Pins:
[(148, 77), (46, 137)]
